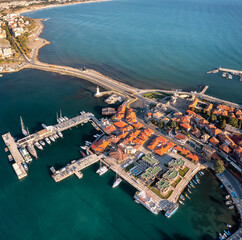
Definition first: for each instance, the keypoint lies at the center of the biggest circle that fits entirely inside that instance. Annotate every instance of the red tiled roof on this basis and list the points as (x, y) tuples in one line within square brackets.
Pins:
[(110, 129), (214, 141), (225, 148), (186, 126), (120, 124)]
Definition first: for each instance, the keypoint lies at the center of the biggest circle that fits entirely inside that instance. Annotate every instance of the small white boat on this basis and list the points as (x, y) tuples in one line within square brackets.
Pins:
[(181, 202), (230, 77), (60, 134), (83, 147), (25, 167), (224, 75), (36, 144), (227, 197), (52, 138), (47, 140), (66, 118), (102, 170), (42, 143), (117, 182), (56, 136)]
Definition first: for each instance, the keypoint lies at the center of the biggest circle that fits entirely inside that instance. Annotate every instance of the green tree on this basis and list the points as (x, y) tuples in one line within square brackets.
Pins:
[(192, 109), (173, 124), (222, 124), (161, 124), (219, 166), (213, 118)]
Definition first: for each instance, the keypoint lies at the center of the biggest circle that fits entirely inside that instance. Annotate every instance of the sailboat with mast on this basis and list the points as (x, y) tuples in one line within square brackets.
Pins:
[(24, 131)]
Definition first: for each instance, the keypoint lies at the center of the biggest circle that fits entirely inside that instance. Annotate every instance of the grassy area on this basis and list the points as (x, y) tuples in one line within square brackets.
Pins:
[(154, 95), (157, 192), (176, 182), (129, 167), (183, 172)]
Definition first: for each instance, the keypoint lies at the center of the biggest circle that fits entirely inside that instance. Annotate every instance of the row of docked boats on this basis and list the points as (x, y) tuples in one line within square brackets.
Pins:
[(41, 143), (224, 235), (229, 202), (191, 184), (227, 75)]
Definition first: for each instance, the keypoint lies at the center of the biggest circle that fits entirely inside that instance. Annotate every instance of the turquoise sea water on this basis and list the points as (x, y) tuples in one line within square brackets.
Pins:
[(155, 43), (38, 208)]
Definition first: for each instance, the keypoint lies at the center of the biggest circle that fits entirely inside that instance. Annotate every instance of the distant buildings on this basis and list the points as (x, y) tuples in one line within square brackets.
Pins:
[(5, 49)]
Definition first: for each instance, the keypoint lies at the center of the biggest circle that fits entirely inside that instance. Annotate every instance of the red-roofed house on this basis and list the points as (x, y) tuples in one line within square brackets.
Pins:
[(181, 138), (225, 148), (120, 124), (110, 129), (186, 126), (214, 141)]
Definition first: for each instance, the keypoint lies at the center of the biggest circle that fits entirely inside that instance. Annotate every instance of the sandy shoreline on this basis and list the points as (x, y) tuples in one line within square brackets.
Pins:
[(40, 7)]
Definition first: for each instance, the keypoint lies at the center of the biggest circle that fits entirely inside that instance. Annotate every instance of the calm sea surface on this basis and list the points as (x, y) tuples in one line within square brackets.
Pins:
[(166, 44)]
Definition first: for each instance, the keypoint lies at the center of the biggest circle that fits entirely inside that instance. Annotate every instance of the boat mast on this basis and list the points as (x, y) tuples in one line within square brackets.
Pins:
[(24, 131), (60, 114), (57, 116)]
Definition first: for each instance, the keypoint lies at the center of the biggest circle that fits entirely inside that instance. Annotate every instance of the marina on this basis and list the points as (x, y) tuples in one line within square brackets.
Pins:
[(20, 149)]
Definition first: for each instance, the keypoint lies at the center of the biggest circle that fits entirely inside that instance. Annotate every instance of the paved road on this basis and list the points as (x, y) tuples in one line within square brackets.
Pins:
[(236, 184)]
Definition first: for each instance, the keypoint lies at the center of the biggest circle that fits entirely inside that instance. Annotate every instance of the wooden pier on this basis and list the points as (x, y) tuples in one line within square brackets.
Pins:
[(42, 134), (15, 154), (75, 167)]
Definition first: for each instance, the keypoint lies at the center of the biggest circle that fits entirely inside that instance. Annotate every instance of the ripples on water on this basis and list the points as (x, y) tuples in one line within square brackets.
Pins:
[(164, 44)]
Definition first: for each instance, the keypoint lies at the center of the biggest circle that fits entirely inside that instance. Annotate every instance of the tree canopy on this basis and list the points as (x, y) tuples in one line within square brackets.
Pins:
[(219, 166)]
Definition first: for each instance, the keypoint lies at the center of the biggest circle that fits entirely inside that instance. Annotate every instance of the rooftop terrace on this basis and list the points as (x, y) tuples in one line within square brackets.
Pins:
[(170, 174), (150, 160), (150, 172)]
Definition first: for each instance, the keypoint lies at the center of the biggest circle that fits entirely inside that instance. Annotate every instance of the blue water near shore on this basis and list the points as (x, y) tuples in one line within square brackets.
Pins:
[(165, 44), (158, 43)]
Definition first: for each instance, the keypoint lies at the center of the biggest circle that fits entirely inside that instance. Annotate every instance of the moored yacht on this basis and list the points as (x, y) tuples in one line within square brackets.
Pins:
[(42, 143), (147, 201), (52, 138), (25, 155), (102, 170), (56, 136), (117, 182), (36, 144), (47, 140), (60, 134), (224, 74)]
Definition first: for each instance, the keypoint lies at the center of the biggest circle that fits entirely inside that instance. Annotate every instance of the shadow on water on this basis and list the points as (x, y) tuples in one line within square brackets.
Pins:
[(215, 200), (126, 188)]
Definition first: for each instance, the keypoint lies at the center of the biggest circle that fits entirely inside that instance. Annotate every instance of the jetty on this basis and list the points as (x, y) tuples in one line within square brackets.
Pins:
[(74, 167), (227, 70), (50, 130)]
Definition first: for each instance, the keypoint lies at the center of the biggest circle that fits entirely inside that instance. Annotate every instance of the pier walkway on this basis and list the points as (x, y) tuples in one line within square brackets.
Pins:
[(72, 122), (12, 147), (75, 167), (136, 183)]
